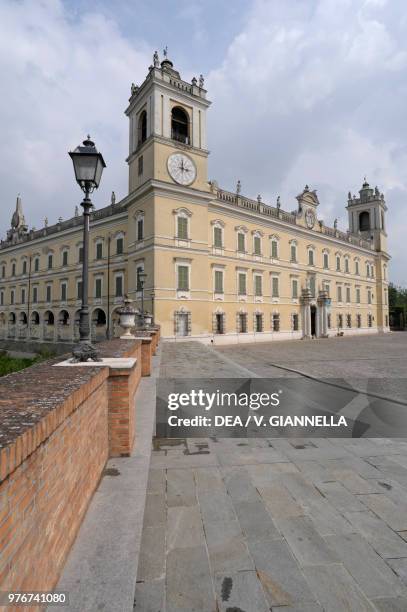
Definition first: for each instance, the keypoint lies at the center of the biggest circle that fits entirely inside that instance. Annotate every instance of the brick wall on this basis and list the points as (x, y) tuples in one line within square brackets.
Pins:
[(58, 425)]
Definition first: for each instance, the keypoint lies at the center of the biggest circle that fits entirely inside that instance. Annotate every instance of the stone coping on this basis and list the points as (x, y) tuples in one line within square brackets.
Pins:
[(122, 363)]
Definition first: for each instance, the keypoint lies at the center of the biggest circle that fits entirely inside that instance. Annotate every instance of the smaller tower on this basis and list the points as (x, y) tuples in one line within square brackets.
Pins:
[(18, 224), (367, 216)]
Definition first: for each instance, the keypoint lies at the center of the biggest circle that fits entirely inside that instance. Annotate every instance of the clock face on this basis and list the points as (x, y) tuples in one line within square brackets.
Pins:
[(310, 218), (181, 168)]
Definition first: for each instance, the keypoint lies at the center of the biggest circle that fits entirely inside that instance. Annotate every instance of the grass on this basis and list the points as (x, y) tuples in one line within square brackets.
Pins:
[(14, 364)]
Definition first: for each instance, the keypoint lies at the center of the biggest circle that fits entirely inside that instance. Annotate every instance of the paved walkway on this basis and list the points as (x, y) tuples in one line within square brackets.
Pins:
[(274, 524)]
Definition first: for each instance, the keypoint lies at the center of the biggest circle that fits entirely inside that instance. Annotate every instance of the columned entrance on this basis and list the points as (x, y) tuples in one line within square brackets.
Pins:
[(313, 314)]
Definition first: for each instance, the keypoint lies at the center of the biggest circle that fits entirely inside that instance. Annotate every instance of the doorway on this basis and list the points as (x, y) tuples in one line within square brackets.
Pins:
[(182, 324), (313, 321)]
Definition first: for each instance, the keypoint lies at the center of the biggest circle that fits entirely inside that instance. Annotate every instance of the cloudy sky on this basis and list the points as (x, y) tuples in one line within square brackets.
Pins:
[(303, 91)]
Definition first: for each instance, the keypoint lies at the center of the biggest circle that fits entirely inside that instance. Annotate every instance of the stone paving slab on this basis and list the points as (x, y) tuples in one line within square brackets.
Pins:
[(275, 524)]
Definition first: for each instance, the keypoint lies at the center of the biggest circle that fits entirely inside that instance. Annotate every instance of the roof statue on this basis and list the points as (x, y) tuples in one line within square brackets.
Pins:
[(201, 81), (17, 220), (165, 51), (238, 187), (194, 81), (336, 224), (278, 203), (156, 60), (113, 198)]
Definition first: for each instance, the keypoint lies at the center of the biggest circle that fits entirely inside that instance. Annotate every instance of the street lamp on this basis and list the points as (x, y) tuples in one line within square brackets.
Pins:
[(88, 166), (141, 280)]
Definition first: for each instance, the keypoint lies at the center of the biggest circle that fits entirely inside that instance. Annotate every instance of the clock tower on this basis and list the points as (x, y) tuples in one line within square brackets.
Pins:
[(167, 129)]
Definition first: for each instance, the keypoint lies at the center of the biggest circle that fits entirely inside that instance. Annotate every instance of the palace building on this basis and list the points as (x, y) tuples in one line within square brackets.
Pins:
[(220, 266)]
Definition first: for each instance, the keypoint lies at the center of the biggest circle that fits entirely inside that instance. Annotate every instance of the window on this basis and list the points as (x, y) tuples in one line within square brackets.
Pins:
[(182, 228), (329, 321), (242, 283), (217, 237), (295, 322), (218, 281), (242, 323), (65, 258), (140, 165), (99, 250), (179, 125), (36, 264), (13, 269), (24, 267), (312, 285), (79, 290), (219, 323), (35, 295), (80, 254), (348, 320), (258, 322), (183, 278), (357, 295), (327, 288), (348, 295), (338, 263), (139, 282), (347, 266), (274, 249), (364, 221), (49, 293), (340, 321), (294, 288), (293, 253), (339, 293), (119, 246), (1, 298), (258, 285), (369, 296), (275, 287), (275, 322), (357, 267), (140, 229), (23, 296), (98, 288), (12, 296), (241, 247), (359, 321), (63, 292), (142, 128), (257, 245), (50, 261), (310, 257), (3, 272), (119, 286), (385, 297)]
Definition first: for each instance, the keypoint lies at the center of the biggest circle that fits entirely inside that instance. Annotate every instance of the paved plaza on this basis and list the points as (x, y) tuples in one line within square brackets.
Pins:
[(304, 525)]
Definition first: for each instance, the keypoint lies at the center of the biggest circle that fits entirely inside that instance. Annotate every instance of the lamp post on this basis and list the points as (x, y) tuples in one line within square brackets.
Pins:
[(141, 280), (88, 166)]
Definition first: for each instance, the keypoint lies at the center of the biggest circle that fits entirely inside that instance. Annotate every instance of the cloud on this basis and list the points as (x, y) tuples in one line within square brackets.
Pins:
[(314, 92), (62, 77)]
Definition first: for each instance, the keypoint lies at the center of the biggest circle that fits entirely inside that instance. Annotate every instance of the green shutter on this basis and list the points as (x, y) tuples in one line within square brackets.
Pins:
[(217, 237), (258, 285), (295, 289), (274, 249), (257, 249), (293, 252), (242, 284), (274, 286), (240, 243), (183, 284), (218, 281), (183, 228)]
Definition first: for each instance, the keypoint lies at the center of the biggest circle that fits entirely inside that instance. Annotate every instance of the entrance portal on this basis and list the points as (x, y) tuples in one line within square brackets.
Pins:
[(313, 321)]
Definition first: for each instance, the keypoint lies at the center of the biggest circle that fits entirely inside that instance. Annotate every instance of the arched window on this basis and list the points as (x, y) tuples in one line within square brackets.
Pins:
[(179, 125), (364, 221), (142, 127)]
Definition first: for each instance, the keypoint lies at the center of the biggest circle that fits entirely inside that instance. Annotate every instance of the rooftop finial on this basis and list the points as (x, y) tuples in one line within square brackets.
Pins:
[(156, 60), (165, 51)]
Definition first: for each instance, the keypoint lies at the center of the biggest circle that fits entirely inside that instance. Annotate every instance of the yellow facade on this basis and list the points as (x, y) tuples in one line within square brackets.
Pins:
[(220, 267)]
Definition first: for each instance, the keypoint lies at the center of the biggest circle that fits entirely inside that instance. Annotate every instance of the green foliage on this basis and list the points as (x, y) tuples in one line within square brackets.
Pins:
[(14, 364), (397, 297)]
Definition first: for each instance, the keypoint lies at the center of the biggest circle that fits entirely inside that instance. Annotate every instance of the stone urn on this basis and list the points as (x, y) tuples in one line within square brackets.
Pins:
[(127, 318)]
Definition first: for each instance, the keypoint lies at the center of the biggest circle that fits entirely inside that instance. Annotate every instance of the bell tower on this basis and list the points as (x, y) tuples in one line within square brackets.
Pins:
[(367, 215), (167, 129)]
